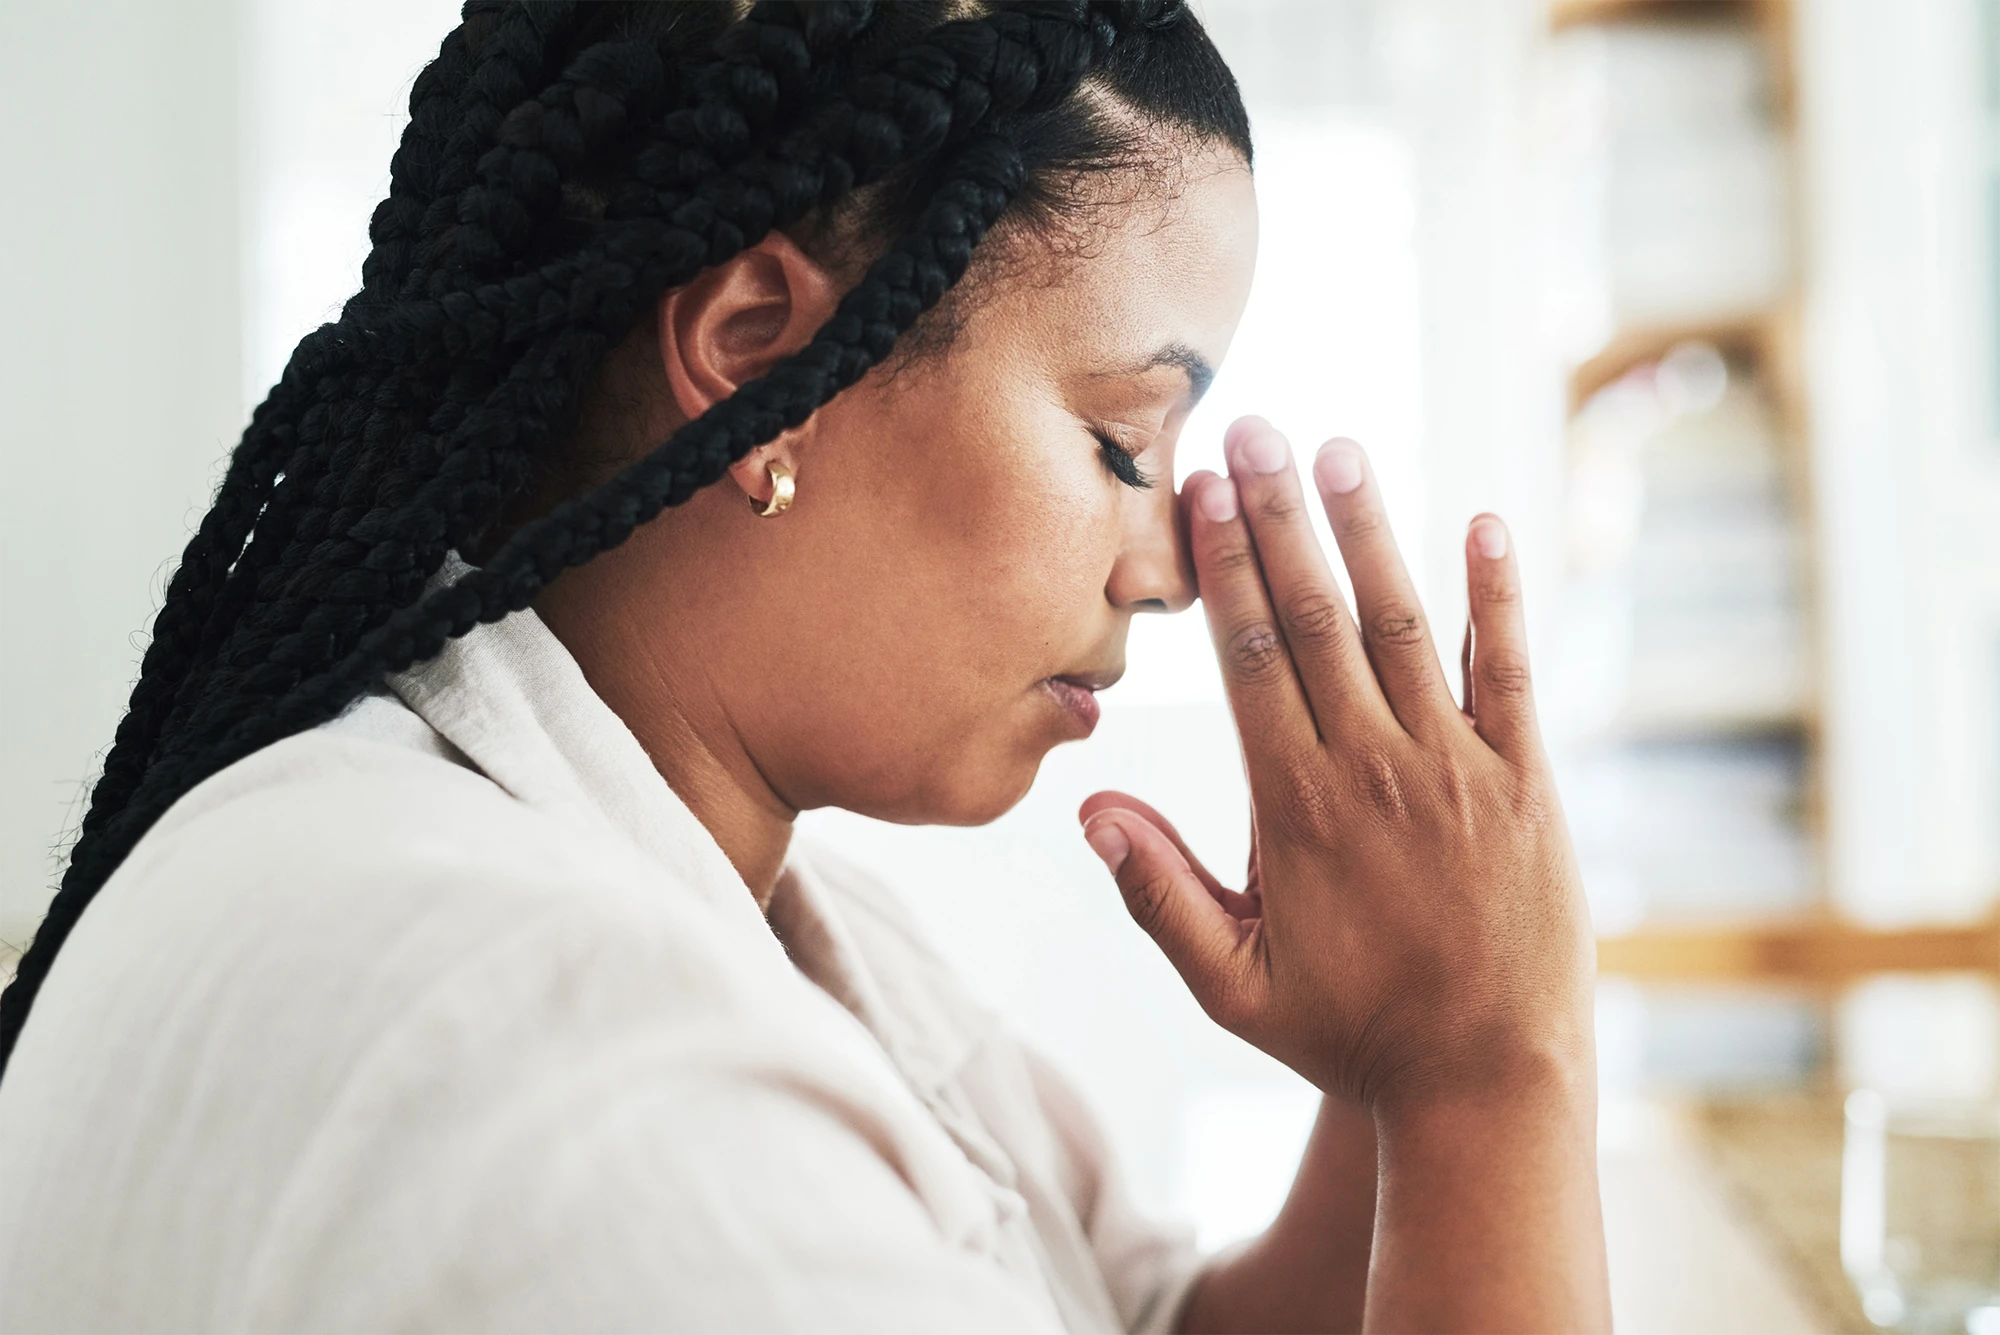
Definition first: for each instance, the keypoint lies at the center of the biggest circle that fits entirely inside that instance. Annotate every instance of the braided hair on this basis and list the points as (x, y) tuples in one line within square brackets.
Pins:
[(564, 165)]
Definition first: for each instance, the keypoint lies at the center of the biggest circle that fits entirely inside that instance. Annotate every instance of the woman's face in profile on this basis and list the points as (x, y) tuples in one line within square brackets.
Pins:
[(963, 561)]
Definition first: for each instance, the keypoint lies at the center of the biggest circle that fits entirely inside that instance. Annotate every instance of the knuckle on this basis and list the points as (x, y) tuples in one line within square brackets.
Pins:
[(1255, 652), (1364, 525), (1148, 898), (1278, 506), (1535, 808), (1377, 782), (1314, 619), (1462, 796), (1504, 672), (1310, 816), (1498, 591), (1289, 786), (1232, 558), (1397, 624)]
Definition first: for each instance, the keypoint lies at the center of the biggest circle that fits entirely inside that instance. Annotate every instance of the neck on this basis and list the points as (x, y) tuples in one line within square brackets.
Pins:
[(679, 721)]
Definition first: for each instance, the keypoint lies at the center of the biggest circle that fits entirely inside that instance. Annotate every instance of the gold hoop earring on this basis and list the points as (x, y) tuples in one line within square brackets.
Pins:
[(784, 488)]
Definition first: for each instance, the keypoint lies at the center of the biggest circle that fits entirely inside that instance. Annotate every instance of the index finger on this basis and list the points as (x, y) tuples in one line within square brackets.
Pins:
[(1265, 696)]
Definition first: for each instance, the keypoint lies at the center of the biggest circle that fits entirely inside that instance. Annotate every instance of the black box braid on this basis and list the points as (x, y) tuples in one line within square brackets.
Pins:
[(564, 165)]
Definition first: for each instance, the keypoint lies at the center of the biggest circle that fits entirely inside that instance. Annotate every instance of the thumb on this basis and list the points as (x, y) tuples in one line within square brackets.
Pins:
[(1168, 900)]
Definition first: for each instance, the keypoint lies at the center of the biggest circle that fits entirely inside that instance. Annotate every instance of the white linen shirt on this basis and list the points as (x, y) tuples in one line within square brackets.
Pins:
[(450, 1015)]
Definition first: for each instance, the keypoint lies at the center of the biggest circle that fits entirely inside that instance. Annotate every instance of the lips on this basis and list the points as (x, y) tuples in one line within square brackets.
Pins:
[(1078, 696)]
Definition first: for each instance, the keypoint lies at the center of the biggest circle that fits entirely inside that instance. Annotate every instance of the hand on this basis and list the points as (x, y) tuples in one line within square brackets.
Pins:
[(1413, 931)]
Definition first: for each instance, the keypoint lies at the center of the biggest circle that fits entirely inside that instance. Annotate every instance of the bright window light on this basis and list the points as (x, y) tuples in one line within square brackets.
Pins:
[(1330, 345)]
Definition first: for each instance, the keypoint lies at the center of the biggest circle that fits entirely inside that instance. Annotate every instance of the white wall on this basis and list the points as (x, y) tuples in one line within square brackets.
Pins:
[(326, 84), (1906, 470), (119, 373)]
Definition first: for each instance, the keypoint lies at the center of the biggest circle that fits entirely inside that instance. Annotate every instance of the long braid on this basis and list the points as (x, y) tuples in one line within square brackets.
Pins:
[(433, 150), (194, 606), (404, 428)]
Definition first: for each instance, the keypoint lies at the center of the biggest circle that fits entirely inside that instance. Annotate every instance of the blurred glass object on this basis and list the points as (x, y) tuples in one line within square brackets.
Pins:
[(1922, 1036), (1920, 1213)]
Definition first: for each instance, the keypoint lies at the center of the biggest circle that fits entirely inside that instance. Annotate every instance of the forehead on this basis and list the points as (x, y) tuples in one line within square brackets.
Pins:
[(1145, 265)]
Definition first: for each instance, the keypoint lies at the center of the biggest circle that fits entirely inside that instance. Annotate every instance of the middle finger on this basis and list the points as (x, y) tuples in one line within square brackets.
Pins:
[(1392, 620), (1326, 646)]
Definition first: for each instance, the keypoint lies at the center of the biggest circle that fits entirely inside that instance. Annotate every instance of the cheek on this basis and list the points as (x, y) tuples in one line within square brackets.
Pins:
[(1020, 533), (945, 576)]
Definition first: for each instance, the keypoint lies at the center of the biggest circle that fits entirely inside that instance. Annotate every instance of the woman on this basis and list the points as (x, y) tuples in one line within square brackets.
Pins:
[(435, 953)]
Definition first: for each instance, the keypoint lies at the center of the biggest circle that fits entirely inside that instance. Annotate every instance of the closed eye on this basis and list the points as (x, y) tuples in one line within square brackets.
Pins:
[(1121, 463)]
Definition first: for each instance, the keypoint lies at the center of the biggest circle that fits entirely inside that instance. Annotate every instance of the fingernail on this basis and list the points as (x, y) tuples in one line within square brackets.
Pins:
[(1489, 538), (1262, 450), (1218, 500), (1109, 842), (1338, 467)]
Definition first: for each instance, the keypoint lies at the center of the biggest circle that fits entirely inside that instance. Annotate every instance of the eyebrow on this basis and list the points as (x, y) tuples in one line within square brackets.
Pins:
[(1199, 373)]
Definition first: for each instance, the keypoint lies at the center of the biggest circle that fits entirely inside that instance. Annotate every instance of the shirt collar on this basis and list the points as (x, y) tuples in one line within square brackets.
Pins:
[(510, 696)]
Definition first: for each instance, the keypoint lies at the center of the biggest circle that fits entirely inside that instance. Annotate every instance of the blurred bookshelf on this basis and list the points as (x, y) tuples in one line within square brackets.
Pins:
[(1690, 648), (1813, 951), (1567, 13)]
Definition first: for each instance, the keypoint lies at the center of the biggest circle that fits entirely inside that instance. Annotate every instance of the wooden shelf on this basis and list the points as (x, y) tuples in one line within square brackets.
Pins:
[(1750, 334), (1818, 950), (1801, 725), (1572, 13)]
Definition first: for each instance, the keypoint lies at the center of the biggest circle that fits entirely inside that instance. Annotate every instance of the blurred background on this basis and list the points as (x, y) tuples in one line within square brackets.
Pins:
[(1704, 297)]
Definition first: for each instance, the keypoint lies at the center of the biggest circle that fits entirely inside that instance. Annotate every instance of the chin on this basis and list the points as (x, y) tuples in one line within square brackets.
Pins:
[(978, 792)]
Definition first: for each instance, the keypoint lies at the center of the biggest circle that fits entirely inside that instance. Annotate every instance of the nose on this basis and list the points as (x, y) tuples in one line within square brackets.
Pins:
[(1155, 568)]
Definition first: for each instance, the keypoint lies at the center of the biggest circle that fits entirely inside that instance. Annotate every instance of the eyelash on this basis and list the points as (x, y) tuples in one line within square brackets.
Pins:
[(1121, 463)]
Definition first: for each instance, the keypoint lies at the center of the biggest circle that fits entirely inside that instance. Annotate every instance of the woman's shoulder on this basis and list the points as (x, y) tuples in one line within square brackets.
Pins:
[(321, 901), (376, 773), (323, 891), (375, 807)]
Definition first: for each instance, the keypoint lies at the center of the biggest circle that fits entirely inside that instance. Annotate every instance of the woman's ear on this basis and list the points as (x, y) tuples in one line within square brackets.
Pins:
[(734, 323)]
